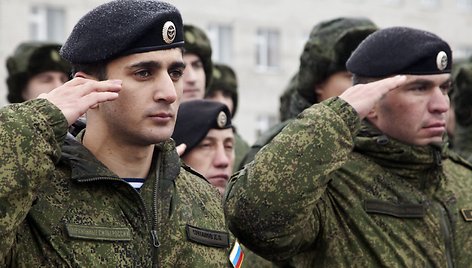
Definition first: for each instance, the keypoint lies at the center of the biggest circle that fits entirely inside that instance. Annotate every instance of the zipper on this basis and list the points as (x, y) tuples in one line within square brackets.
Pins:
[(154, 237), (437, 157), (446, 232), (155, 221)]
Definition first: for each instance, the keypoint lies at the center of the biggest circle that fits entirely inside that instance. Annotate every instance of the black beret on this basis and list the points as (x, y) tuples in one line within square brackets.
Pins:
[(196, 117), (123, 27), (400, 50)]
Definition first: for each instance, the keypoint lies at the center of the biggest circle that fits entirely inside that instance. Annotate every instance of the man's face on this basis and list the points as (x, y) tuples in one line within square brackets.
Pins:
[(146, 108), (213, 157), (416, 112), (43, 83), (333, 86), (194, 78)]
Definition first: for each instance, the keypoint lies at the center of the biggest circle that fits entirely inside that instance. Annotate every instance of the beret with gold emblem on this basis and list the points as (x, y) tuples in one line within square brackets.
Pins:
[(195, 119), (400, 50), (123, 27)]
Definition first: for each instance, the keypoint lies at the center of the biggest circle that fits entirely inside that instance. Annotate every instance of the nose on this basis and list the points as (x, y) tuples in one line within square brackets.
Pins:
[(221, 159), (165, 90), (439, 102)]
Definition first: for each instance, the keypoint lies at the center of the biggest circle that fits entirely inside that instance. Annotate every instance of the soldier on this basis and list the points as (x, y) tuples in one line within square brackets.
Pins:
[(69, 203), (364, 179), (197, 58), (224, 88), (462, 99), (204, 126), (35, 68), (322, 72)]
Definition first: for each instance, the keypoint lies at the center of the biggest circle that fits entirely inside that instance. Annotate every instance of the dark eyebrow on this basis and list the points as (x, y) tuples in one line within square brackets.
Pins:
[(427, 83), (448, 81), (155, 65), (145, 64), (177, 64)]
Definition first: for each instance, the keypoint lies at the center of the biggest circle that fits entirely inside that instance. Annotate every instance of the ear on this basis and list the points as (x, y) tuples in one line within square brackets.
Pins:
[(318, 88)]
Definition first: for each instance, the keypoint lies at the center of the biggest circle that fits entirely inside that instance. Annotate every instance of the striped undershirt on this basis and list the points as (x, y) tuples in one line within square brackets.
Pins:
[(135, 182)]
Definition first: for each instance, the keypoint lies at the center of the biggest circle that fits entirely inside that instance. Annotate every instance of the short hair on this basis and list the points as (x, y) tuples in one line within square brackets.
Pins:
[(98, 70)]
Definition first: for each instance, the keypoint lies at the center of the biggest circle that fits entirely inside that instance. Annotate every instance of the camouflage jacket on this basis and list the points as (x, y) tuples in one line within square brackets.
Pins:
[(60, 207), (240, 150), (462, 143), (328, 193), (291, 104)]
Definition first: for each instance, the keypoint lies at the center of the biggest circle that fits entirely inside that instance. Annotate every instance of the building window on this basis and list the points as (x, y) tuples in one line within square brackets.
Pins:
[(264, 123), (462, 54), (464, 5), (392, 2), (221, 37), (430, 3), (267, 49), (47, 24)]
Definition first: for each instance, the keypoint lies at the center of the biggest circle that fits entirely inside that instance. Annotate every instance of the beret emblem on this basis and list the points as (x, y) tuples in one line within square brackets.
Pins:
[(221, 119), (168, 32), (441, 60)]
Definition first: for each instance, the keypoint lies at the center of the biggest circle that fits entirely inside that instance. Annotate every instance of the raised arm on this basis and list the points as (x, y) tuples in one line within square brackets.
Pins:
[(31, 135), (272, 204)]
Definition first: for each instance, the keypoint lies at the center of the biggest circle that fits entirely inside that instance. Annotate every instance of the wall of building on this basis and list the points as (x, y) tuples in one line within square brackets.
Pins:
[(260, 89)]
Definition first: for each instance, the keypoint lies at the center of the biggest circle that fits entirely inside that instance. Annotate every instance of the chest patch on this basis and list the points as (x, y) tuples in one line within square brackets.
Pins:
[(98, 232), (207, 237), (467, 214)]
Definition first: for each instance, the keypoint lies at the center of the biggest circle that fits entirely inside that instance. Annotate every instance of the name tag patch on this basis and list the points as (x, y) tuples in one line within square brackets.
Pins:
[(207, 237), (467, 214), (98, 232)]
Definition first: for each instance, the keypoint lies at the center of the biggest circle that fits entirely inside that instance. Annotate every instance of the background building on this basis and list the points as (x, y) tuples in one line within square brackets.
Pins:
[(261, 39)]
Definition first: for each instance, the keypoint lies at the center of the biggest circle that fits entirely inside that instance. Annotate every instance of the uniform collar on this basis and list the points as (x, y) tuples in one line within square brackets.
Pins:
[(421, 165), (85, 166)]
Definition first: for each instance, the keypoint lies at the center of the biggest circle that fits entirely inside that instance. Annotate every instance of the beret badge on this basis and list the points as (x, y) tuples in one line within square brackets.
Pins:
[(441, 60), (168, 32), (221, 119)]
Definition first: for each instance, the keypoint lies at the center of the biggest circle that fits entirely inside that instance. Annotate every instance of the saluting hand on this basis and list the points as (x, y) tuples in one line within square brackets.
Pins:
[(76, 96), (363, 97)]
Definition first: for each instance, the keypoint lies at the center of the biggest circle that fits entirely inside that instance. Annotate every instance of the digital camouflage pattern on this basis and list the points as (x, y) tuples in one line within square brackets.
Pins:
[(63, 208), (328, 47), (29, 59), (462, 99), (197, 42), (225, 80), (241, 148), (329, 191)]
